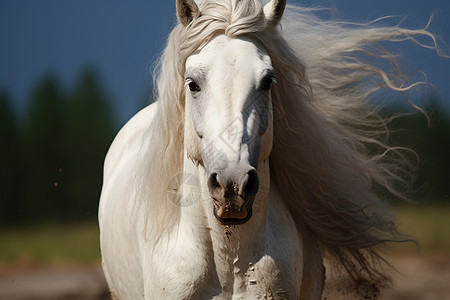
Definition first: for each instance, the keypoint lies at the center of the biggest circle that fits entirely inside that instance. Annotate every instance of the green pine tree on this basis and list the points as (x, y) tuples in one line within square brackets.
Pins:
[(44, 155), (11, 166), (90, 130)]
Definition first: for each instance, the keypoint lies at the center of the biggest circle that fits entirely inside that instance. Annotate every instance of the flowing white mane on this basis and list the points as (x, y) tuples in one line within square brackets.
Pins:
[(329, 153)]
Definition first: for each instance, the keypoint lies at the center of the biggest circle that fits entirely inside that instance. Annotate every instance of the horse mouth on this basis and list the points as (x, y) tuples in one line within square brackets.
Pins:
[(234, 221)]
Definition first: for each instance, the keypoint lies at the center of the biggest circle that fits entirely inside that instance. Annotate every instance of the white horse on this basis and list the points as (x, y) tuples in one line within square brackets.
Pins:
[(253, 162)]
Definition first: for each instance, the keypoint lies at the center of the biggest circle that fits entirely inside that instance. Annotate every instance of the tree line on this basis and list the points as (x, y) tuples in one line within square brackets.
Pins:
[(51, 160), (428, 134)]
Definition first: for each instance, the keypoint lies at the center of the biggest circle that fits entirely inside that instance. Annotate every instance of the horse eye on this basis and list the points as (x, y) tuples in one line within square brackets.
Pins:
[(193, 86), (267, 83)]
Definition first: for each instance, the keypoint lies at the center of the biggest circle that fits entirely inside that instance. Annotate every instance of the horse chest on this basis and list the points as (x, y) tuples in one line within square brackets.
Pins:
[(270, 270), (202, 275), (262, 279)]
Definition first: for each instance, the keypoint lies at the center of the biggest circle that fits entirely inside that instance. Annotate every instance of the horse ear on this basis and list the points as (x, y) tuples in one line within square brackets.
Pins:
[(187, 10), (273, 12)]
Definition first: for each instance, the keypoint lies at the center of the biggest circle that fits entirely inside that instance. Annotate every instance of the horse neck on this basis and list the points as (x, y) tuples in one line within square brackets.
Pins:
[(240, 242)]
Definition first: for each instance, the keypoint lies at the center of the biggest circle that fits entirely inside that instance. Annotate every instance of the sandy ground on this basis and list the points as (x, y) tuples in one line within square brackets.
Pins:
[(423, 279), (418, 279), (54, 284)]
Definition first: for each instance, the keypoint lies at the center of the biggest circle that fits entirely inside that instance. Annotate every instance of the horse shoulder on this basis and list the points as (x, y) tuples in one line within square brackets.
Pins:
[(303, 251), (118, 239), (284, 245), (123, 151), (130, 137)]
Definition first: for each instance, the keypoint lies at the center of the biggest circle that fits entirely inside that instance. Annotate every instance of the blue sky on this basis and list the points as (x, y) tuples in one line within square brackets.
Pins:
[(123, 39)]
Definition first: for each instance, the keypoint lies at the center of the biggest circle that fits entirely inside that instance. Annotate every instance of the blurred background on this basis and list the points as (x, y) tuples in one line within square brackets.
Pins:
[(73, 72)]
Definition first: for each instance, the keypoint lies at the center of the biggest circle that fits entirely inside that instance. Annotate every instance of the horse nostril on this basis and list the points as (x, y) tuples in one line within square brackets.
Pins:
[(213, 184), (251, 185)]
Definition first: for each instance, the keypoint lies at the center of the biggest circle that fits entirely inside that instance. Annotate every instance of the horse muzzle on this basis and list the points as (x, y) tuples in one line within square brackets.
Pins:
[(233, 193)]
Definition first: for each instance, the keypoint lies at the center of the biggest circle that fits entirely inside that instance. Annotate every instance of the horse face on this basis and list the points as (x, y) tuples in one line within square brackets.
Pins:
[(228, 109)]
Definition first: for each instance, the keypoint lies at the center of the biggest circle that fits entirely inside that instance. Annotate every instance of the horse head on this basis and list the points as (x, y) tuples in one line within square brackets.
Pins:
[(228, 113)]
